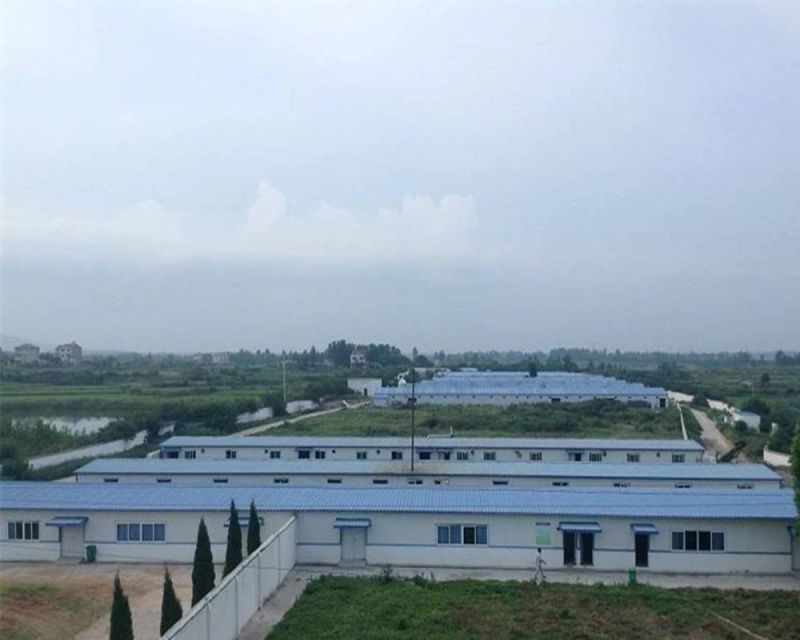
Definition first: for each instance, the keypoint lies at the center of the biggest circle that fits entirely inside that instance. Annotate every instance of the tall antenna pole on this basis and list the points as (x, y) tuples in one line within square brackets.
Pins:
[(284, 379), (413, 404)]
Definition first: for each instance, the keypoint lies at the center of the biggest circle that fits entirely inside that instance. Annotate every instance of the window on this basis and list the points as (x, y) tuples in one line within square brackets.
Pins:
[(441, 481), (744, 486), (280, 480), (319, 455), (190, 455), (361, 455), (141, 532), (622, 485), (304, 454), (683, 485), (560, 483), (462, 455), (220, 481), (535, 456), (19, 530), (500, 483), (633, 457), (274, 455), (467, 534), (168, 454), (595, 457), (698, 541), (424, 455), (163, 480), (490, 455), (576, 456), (444, 455), (555, 400), (414, 481), (110, 479), (334, 481), (379, 481), (678, 457), (230, 454), (397, 455)]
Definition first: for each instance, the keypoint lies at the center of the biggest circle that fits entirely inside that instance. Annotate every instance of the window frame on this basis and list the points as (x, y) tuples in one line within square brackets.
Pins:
[(157, 532), (467, 534)]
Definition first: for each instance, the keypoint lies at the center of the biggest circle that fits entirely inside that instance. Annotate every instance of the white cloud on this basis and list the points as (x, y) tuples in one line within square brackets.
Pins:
[(425, 229)]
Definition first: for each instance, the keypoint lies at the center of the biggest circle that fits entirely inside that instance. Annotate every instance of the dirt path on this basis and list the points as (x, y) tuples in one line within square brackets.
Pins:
[(252, 431), (713, 439)]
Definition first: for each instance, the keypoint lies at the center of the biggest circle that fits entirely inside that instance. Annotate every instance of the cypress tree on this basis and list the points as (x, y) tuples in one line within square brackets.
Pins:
[(121, 621), (253, 529), (171, 609), (203, 568), (233, 553)]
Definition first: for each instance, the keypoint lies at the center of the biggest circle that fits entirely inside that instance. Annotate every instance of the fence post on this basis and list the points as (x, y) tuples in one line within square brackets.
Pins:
[(208, 620), (280, 535)]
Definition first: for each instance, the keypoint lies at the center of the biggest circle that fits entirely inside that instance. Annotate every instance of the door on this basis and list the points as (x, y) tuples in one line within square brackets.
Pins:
[(642, 549), (354, 546), (72, 541), (587, 549), (795, 552), (569, 548)]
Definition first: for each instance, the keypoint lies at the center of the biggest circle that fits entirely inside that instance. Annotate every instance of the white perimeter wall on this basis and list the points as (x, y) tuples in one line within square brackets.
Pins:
[(223, 613)]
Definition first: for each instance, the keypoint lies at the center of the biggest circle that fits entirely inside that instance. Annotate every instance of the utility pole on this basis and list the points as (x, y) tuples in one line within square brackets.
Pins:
[(413, 401), (284, 379)]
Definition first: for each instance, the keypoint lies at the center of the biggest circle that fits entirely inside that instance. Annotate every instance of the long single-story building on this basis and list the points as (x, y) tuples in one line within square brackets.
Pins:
[(504, 388), (357, 473), (673, 531), (455, 449)]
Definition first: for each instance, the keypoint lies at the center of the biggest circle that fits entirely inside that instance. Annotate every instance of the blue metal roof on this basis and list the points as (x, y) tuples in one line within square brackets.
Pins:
[(666, 471), (444, 442), (89, 497), (511, 383)]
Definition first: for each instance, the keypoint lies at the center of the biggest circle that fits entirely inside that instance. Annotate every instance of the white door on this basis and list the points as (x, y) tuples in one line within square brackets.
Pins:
[(354, 546), (72, 542)]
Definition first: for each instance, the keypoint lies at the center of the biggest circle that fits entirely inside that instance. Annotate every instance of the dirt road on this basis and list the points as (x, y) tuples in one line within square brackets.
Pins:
[(713, 439)]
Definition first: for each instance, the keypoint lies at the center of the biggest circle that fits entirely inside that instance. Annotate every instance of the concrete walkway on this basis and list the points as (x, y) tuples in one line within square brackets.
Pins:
[(263, 428), (273, 610)]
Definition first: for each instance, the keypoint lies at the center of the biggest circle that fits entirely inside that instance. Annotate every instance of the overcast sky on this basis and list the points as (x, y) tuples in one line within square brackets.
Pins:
[(454, 175)]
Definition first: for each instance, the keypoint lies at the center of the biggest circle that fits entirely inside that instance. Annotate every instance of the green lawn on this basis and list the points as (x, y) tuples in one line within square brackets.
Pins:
[(334, 608), (602, 419)]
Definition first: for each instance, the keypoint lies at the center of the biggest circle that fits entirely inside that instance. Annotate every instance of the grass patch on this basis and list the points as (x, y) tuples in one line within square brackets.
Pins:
[(600, 419), (34, 611), (334, 608)]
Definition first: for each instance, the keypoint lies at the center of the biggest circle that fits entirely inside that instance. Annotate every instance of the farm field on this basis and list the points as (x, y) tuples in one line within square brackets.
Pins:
[(600, 419), (334, 608)]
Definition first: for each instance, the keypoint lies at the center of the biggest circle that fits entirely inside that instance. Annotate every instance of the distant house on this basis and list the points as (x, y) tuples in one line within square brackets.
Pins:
[(359, 357), (70, 353), (26, 353), (364, 386), (222, 357)]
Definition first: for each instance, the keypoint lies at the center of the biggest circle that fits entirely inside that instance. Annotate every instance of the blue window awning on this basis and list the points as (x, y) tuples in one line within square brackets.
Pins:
[(647, 529), (67, 521), (580, 527), (352, 523)]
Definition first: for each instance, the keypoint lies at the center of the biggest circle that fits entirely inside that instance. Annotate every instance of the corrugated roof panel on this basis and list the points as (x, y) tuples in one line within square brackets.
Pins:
[(666, 471), (87, 497)]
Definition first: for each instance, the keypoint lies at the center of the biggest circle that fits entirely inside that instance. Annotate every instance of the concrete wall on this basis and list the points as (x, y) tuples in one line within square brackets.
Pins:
[(775, 459), (430, 480), (93, 451), (364, 386), (223, 613)]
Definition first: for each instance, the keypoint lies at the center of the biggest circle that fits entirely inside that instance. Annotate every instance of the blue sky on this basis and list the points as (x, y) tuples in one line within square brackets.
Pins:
[(456, 175)]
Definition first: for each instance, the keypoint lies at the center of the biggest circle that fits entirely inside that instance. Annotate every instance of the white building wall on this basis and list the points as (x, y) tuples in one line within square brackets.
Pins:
[(410, 539), (378, 453)]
